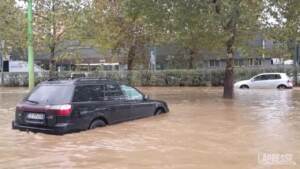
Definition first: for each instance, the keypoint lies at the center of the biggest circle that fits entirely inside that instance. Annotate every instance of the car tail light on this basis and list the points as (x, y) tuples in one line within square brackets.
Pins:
[(62, 110), (290, 82)]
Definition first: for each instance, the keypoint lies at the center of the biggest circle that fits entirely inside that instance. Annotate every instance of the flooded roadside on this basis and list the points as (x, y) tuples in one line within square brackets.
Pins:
[(201, 131)]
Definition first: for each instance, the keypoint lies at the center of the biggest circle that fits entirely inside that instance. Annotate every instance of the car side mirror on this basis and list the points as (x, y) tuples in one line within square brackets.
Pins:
[(252, 80), (146, 97)]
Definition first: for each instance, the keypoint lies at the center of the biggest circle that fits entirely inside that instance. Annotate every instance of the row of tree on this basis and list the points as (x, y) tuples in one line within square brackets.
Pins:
[(130, 25)]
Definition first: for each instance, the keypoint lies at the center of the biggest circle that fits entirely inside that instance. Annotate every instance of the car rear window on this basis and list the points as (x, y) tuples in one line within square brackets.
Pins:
[(276, 76), (51, 94)]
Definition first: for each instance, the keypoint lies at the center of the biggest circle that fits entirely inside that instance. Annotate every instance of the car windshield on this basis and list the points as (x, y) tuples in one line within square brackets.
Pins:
[(51, 94)]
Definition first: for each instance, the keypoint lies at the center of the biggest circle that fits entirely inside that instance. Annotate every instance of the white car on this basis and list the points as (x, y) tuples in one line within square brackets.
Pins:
[(266, 80), (22, 66)]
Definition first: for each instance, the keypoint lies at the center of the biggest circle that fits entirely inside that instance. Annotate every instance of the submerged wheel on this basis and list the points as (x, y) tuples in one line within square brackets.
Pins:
[(244, 87), (159, 111), (97, 123), (281, 87)]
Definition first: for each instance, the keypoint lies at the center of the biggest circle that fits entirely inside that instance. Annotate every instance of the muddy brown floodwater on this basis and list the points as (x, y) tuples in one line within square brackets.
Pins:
[(259, 129)]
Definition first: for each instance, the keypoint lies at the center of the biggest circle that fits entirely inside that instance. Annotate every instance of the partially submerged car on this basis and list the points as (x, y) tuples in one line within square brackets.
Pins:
[(65, 106), (266, 80)]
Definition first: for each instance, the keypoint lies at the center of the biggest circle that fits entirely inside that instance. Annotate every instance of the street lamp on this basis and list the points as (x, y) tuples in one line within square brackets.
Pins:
[(30, 47)]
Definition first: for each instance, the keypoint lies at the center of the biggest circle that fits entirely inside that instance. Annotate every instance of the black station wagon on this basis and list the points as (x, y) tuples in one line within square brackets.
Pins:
[(65, 106)]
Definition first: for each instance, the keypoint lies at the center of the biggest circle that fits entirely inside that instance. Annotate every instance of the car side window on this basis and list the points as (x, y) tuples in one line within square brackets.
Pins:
[(258, 78), (273, 77), (131, 93), (269, 77), (277, 76), (261, 77), (88, 93), (112, 91)]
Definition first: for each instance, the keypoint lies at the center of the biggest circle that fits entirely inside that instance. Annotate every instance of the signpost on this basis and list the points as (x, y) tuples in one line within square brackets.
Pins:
[(30, 47), (296, 61), (152, 62), (2, 59)]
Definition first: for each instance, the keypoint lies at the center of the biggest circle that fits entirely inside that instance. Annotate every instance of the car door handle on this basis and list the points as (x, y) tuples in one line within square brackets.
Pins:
[(83, 112), (101, 109)]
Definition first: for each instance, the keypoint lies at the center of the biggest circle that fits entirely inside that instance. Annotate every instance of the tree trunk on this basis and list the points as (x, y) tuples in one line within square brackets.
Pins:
[(296, 63), (131, 56), (229, 74), (230, 26), (52, 64), (191, 59)]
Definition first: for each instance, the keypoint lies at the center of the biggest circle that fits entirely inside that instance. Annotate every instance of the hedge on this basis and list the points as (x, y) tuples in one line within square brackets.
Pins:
[(195, 77)]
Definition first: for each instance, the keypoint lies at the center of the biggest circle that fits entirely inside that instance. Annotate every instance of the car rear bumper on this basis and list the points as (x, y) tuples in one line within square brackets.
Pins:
[(58, 129), (290, 86)]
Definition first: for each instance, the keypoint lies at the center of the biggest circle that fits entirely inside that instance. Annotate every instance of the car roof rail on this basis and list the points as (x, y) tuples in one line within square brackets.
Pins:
[(52, 79), (89, 79), (58, 78)]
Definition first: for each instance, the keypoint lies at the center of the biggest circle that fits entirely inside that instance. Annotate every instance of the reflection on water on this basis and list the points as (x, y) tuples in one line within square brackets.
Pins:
[(201, 131)]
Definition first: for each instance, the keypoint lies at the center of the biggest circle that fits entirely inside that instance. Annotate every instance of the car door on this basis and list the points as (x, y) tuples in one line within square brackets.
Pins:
[(270, 81), (88, 102), (119, 105), (140, 107), (276, 81), (258, 82)]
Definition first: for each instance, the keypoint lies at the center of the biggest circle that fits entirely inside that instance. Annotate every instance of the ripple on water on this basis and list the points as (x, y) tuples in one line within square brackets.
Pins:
[(201, 131)]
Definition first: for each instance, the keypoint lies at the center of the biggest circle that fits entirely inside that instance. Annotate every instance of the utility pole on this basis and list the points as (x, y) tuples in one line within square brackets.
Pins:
[(30, 47), (2, 57), (296, 62)]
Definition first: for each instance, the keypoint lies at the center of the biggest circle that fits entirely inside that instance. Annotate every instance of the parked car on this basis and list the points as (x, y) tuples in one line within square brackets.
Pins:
[(266, 80), (20, 66), (65, 106)]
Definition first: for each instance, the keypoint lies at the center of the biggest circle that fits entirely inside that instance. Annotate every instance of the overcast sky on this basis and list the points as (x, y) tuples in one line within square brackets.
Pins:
[(21, 4)]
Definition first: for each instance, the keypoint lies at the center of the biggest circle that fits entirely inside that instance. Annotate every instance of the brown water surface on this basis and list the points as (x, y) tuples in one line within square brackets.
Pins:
[(202, 130)]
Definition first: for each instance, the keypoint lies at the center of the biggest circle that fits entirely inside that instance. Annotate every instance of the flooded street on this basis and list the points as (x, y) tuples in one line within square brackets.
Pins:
[(259, 129)]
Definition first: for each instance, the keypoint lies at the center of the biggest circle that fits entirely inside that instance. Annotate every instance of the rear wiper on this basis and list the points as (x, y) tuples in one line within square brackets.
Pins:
[(32, 101)]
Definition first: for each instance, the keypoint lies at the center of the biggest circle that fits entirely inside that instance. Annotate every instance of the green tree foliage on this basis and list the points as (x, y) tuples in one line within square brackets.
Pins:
[(207, 24), (185, 23), (12, 27), (118, 25), (128, 26), (54, 22), (284, 25)]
